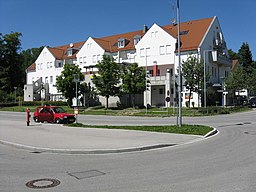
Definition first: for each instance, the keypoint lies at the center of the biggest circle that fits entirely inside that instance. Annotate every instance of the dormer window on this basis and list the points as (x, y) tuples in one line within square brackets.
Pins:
[(136, 39), (121, 43), (70, 52)]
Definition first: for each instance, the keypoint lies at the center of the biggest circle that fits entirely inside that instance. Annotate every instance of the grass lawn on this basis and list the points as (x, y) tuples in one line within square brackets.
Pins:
[(184, 129)]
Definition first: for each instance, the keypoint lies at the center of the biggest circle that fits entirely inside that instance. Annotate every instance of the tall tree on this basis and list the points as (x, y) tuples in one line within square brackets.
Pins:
[(107, 81), (232, 55), (245, 56), (236, 80), (193, 72), (65, 82), (10, 66), (133, 80)]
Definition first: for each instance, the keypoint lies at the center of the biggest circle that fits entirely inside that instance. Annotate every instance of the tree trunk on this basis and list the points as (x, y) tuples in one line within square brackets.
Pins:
[(107, 97), (189, 98), (133, 101)]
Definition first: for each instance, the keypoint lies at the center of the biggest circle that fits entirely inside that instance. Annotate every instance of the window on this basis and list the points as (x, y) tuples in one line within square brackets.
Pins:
[(121, 43), (147, 51), (152, 34), (60, 64), (94, 58), (168, 49), (69, 52), (142, 52), (51, 79), (158, 72), (161, 91), (51, 64), (46, 79), (151, 72), (156, 33), (184, 32), (84, 60), (136, 39), (161, 50), (39, 66), (80, 60), (98, 58)]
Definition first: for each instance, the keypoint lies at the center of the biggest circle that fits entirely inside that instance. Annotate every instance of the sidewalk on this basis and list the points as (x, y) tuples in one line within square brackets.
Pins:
[(54, 138)]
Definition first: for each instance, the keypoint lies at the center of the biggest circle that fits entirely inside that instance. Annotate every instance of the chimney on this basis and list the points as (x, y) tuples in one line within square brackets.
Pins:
[(145, 28)]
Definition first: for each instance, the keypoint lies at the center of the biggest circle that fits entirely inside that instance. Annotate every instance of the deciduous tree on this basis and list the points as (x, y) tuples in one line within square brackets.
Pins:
[(133, 80), (107, 80), (65, 82)]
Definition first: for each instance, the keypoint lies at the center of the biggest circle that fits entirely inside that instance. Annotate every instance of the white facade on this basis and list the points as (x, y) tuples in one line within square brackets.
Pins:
[(153, 49)]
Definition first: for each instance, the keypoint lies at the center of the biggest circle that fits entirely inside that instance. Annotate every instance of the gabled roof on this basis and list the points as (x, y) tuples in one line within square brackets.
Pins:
[(109, 43), (60, 52), (32, 67), (191, 32)]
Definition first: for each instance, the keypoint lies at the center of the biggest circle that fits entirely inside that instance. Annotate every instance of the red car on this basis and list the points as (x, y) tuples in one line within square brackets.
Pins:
[(53, 114)]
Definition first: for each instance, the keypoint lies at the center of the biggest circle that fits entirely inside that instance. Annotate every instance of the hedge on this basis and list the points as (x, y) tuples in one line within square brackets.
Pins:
[(34, 103)]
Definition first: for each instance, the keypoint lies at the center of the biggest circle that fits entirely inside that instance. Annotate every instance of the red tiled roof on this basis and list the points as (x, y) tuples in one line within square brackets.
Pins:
[(109, 43), (32, 67), (235, 64), (60, 51), (195, 31)]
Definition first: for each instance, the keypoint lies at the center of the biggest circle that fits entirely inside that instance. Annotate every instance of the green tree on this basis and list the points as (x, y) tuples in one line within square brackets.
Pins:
[(65, 82), (232, 55), (11, 71), (29, 56), (193, 72), (245, 56), (236, 81), (133, 80), (107, 81)]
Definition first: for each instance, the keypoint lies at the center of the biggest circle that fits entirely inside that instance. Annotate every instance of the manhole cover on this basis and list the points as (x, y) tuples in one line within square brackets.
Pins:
[(86, 174), (42, 183)]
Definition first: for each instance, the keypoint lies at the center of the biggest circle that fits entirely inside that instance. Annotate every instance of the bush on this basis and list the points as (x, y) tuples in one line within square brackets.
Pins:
[(34, 103)]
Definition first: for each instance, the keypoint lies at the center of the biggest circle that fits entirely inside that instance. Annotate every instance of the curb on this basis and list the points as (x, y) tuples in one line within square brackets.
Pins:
[(211, 133), (77, 151)]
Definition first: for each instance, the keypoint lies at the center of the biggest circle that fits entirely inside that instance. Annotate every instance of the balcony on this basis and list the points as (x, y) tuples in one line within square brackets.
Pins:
[(160, 80), (221, 59)]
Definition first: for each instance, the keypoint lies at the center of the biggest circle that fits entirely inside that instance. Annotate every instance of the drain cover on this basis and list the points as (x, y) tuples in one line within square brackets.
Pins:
[(43, 183), (86, 174)]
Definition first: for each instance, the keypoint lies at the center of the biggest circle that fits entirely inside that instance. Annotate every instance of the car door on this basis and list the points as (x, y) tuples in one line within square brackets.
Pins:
[(42, 115)]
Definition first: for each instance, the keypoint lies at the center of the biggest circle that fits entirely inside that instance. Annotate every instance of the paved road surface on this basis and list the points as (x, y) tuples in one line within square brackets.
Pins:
[(223, 163)]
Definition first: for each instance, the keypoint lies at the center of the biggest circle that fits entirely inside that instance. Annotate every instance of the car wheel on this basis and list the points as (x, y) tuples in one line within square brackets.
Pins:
[(57, 120), (36, 119)]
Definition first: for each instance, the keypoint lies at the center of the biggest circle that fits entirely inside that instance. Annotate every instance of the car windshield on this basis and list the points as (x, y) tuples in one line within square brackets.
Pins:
[(58, 110)]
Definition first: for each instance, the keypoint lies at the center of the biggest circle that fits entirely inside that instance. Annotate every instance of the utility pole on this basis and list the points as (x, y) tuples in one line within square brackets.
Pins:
[(179, 68)]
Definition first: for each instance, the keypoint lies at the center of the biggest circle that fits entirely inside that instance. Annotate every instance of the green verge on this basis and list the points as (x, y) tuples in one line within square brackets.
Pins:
[(184, 129)]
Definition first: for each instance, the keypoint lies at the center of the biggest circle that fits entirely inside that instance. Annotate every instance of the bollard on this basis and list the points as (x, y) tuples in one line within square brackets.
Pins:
[(28, 116)]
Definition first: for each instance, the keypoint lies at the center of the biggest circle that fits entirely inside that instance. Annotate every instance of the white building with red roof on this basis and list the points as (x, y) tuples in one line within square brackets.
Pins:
[(153, 48)]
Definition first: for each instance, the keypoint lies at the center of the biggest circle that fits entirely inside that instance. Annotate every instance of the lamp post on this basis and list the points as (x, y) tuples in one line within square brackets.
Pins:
[(147, 79), (205, 95), (179, 69), (76, 80)]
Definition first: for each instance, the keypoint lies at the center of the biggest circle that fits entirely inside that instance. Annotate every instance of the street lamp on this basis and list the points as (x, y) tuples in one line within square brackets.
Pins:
[(179, 69), (205, 76), (76, 80)]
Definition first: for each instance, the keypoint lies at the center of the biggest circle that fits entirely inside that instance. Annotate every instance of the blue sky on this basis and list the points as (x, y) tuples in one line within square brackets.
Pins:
[(59, 22)]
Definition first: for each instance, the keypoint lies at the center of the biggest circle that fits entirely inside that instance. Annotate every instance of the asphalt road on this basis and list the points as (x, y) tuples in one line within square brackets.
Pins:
[(223, 163)]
